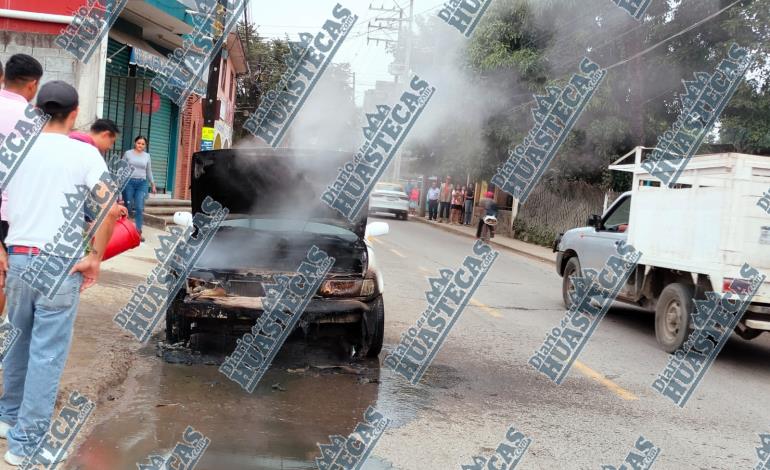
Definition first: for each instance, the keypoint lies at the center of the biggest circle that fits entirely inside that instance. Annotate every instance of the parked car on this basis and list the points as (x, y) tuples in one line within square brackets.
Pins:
[(276, 215), (693, 237), (390, 198)]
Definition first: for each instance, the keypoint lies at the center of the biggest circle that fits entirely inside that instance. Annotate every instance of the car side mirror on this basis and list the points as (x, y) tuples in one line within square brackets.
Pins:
[(595, 221), (377, 229), (185, 219)]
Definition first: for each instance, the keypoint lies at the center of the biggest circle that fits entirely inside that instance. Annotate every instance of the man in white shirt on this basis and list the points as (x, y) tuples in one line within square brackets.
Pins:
[(55, 166), (433, 194)]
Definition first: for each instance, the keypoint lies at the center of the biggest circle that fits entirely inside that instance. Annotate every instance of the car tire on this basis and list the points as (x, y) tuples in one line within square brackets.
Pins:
[(405, 216), (672, 316), (567, 288), (373, 329)]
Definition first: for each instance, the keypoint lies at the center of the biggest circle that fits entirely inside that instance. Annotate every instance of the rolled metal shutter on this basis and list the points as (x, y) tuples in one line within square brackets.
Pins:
[(161, 145)]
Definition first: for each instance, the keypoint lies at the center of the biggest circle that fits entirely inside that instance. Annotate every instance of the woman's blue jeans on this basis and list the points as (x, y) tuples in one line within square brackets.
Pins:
[(468, 211), (136, 192)]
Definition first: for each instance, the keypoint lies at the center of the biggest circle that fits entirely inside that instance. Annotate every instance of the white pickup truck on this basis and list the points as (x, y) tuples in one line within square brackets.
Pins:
[(694, 237)]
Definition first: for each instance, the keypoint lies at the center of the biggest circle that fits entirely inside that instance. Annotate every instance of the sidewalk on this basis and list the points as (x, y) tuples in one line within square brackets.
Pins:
[(519, 247)]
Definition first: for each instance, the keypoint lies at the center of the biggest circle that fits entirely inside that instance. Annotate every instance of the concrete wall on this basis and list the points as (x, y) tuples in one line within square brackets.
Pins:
[(60, 65)]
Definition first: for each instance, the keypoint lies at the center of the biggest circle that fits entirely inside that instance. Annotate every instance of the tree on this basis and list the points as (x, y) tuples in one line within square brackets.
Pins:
[(265, 57), (521, 47)]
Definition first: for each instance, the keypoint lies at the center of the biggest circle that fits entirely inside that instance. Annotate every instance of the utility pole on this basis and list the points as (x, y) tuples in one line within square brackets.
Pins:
[(405, 71), (209, 105), (386, 23), (392, 20)]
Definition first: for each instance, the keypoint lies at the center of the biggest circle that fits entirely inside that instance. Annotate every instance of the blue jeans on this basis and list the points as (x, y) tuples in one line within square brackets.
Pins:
[(468, 211), (33, 366), (136, 192)]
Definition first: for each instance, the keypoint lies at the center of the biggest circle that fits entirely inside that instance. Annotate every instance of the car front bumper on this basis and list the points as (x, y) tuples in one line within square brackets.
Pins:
[(318, 310)]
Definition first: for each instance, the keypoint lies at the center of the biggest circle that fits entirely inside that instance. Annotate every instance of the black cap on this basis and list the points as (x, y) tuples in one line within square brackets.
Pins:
[(57, 97)]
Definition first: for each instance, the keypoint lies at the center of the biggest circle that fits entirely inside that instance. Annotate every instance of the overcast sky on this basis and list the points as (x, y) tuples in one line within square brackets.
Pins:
[(369, 62)]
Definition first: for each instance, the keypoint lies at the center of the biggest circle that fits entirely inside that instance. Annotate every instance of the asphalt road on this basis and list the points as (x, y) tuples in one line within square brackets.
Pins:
[(476, 388), (592, 418)]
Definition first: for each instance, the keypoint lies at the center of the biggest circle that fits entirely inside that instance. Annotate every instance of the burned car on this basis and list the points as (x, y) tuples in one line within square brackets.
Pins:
[(276, 215)]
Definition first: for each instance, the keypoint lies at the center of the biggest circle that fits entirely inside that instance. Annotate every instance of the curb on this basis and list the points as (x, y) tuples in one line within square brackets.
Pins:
[(449, 228)]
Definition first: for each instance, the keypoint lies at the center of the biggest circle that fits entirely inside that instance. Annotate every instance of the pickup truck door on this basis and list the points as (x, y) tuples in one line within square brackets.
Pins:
[(600, 244)]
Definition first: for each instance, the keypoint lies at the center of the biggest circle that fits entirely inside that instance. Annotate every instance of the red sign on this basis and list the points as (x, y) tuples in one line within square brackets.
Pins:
[(61, 7), (147, 102)]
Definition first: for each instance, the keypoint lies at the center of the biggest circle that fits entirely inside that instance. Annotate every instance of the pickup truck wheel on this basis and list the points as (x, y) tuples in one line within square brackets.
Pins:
[(567, 286), (672, 316), (373, 329)]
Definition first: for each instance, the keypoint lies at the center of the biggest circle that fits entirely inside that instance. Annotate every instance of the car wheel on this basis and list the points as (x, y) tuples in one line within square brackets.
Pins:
[(405, 216), (672, 316), (373, 329), (567, 286)]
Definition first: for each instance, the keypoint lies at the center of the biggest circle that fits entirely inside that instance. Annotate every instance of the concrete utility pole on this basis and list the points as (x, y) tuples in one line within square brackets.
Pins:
[(405, 74), (401, 65)]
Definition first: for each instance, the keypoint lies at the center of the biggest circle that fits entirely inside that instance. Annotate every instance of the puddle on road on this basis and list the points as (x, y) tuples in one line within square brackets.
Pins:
[(308, 394)]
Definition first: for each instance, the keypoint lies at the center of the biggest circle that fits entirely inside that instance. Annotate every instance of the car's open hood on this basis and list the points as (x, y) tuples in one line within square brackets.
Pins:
[(272, 183)]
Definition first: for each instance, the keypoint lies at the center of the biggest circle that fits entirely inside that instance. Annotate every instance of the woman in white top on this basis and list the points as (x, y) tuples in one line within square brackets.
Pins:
[(136, 188)]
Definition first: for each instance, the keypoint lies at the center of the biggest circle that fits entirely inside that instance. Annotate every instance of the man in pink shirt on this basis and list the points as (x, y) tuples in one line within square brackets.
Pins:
[(21, 80), (102, 135)]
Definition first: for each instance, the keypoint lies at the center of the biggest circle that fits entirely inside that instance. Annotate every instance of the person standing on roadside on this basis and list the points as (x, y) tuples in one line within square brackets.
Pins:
[(414, 198), (136, 189), (433, 194), (21, 80), (445, 200), (458, 196), (102, 135), (468, 214), (490, 208), (54, 167)]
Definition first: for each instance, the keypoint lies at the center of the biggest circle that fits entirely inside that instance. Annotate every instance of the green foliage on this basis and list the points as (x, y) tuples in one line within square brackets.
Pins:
[(537, 234), (266, 60), (520, 47)]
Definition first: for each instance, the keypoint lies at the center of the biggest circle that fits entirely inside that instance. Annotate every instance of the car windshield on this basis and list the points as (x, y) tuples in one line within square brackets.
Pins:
[(317, 227)]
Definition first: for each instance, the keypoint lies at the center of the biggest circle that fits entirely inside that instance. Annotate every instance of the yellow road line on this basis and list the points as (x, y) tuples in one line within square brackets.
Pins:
[(491, 311), (612, 386), (581, 367)]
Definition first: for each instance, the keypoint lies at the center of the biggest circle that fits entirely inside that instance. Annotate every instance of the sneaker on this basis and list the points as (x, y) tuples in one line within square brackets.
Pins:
[(13, 459), (45, 455), (4, 427)]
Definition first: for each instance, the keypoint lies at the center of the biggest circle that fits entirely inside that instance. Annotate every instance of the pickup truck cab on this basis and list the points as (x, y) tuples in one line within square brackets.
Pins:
[(694, 237)]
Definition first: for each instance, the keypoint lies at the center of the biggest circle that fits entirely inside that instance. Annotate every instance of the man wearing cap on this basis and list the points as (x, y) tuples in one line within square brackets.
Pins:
[(55, 166)]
